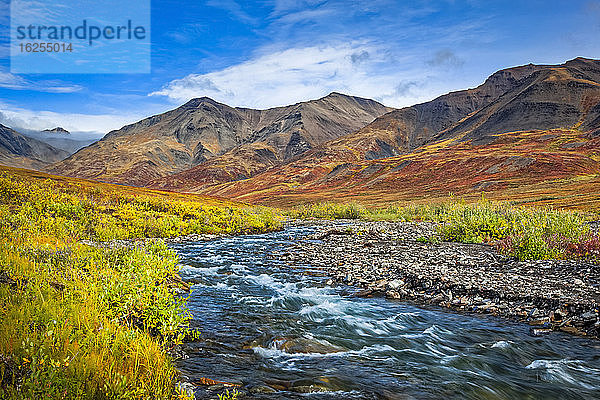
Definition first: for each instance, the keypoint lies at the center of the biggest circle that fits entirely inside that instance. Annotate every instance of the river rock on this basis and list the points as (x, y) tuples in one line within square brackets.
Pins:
[(387, 258)]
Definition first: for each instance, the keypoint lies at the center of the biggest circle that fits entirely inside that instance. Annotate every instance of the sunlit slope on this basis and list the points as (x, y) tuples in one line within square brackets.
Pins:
[(527, 133), (560, 167), (189, 138), (109, 188)]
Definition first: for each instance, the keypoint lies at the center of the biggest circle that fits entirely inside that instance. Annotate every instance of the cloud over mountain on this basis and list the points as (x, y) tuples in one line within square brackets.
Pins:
[(295, 74)]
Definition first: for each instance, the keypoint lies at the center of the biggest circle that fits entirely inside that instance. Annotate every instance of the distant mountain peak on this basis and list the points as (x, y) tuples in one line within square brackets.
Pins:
[(58, 129), (582, 59), (22, 151), (334, 95), (244, 140)]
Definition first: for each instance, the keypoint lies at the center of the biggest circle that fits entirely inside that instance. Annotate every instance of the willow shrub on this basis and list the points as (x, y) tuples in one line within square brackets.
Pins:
[(96, 321), (525, 233), (329, 210)]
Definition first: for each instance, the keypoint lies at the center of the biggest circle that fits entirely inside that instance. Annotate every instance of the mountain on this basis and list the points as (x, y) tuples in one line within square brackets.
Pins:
[(58, 130), (526, 97), (64, 141), (524, 126), (230, 143), (17, 150)]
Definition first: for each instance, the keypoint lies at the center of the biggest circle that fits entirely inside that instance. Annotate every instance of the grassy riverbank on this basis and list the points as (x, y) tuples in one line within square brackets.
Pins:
[(83, 321), (525, 233)]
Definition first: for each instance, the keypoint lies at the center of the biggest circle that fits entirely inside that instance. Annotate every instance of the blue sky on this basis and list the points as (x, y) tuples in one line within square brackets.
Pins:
[(277, 52)]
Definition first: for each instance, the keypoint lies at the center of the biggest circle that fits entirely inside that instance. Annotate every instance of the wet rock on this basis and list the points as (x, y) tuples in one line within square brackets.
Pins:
[(262, 390), (309, 389), (540, 321), (305, 346), (278, 384), (534, 313), (555, 316), (589, 316), (215, 385), (392, 294), (395, 284), (369, 293), (569, 329)]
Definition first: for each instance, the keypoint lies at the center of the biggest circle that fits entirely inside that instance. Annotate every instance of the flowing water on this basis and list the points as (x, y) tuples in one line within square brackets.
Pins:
[(279, 328)]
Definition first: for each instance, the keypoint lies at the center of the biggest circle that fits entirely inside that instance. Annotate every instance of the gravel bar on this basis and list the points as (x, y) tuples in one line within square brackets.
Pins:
[(386, 259)]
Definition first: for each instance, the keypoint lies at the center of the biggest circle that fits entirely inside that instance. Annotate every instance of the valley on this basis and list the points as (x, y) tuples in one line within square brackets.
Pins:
[(412, 246)]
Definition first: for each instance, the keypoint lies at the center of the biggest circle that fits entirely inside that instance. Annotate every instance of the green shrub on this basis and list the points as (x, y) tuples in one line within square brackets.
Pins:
[(329, 211), (524, 233), (81, 321)]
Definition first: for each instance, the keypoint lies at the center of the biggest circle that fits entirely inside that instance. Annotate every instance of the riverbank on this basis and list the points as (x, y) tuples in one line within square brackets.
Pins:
[(90, 304), (392, 259)]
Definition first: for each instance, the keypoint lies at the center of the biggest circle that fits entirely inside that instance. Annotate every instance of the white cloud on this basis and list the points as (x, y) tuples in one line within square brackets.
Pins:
[(233, 8), (29, 120), (17, 82), (282, 77), (8, 80), (31, 10), (187, 33)]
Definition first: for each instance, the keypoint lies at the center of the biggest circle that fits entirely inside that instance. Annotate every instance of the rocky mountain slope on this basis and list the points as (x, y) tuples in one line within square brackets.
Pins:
[(17, 150), (230, 143), (524, 126), (520, 98)]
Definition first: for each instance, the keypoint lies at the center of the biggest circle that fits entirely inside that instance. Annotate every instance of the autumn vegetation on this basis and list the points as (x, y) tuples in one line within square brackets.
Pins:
[(88, 290), (84, 314), (522, 232)]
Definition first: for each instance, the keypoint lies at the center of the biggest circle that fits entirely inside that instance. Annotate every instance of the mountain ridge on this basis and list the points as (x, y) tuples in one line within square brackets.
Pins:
[(202, 129), (377, 140), (19, 150), (519, 106), (271, 156)]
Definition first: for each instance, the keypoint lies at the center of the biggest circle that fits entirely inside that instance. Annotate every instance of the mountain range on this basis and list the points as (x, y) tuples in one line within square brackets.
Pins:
[(18, 150), (529, 131), (526, 132), (215, 142)]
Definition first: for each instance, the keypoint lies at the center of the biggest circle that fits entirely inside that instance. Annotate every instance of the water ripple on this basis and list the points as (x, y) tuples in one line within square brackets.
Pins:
[(266, 324)]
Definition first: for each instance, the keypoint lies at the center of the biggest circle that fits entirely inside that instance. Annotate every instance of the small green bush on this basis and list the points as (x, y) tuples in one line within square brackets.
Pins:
[(329, 211)]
